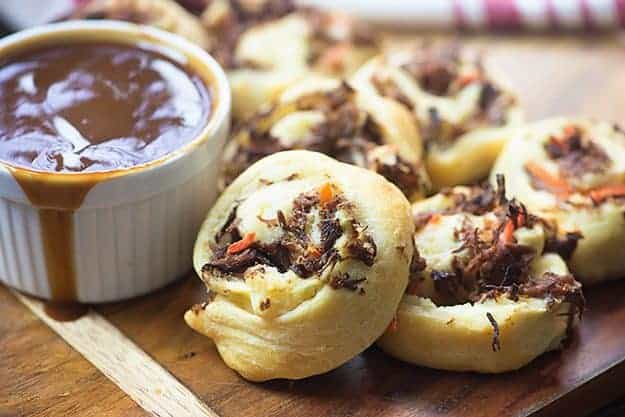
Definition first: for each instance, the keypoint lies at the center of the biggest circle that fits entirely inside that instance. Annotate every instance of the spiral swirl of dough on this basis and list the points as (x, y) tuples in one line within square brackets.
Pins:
[(572, 171), (465, 117), (305, 260), (484, 296), (327, 115)]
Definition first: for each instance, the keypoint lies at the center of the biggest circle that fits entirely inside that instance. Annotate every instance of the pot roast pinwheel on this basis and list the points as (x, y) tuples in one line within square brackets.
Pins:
[(328, 116), (572, 171), (484, 296), (267, 45), (305, 260), (465, 116)]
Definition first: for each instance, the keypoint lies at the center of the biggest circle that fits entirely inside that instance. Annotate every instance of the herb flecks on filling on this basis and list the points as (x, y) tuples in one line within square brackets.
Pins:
[(295, 249), (346, 133), (492, 263)]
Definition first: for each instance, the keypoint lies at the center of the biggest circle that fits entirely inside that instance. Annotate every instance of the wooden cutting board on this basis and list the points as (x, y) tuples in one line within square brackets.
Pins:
[(41, 375)]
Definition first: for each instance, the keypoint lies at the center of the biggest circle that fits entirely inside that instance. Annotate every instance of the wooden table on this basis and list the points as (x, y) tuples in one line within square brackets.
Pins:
[(41, 375)]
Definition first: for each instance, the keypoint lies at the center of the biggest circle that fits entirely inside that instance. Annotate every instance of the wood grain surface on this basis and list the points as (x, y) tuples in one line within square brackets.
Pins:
[(41, 375), (128, 366)]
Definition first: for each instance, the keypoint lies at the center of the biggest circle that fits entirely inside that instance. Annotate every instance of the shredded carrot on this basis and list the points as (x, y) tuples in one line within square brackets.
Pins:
[(467, 79), (603, 193), (570, 130), (325, 193), (435, 218), (554, 183), (507, 235), (242, 244), (334, 56), (393, 325), (314, 251)]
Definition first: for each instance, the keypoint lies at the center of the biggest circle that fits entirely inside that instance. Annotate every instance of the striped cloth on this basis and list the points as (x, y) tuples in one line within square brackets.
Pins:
[(487, 14), (467, 14)]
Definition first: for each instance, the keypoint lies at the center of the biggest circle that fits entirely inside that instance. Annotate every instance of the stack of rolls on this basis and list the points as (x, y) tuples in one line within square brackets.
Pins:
[(327, 236)]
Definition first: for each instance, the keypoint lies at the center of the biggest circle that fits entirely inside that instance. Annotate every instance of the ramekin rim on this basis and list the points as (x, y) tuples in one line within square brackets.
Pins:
[(218, 116)]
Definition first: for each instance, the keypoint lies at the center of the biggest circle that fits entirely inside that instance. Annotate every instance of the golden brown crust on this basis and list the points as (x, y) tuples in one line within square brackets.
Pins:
[(572, 171), (325, 115), (483, 288), (285, 317), (463, 113)]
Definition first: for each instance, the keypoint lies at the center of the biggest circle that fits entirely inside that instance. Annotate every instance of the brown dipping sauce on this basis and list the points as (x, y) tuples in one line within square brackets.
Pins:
[(96, 107), (89, 108)]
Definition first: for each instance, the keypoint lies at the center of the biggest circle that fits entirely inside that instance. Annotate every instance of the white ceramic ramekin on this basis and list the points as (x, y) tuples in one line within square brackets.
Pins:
[(134, 231)]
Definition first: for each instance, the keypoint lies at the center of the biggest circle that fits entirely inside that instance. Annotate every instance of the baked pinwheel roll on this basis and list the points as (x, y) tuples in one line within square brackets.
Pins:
[(305, 259), (328, 116), (465, 116), (163, 14), (484, 296), (267, 45), (572, 171)]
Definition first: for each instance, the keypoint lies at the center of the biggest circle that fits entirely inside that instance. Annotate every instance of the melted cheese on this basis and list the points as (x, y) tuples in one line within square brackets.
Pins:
[(294, 127)]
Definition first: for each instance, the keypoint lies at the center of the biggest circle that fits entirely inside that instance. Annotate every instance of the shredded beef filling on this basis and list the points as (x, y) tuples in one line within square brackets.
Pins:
[(436, 69), (403, 174), (295, 250), (491, 267), (477, 200), (494, 264), (387, 88), (576, 154), (496, 344), (563, 246), (555, 287), (347, 134), (345, 281), (417, 264), (341, 131), (240, 16)]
